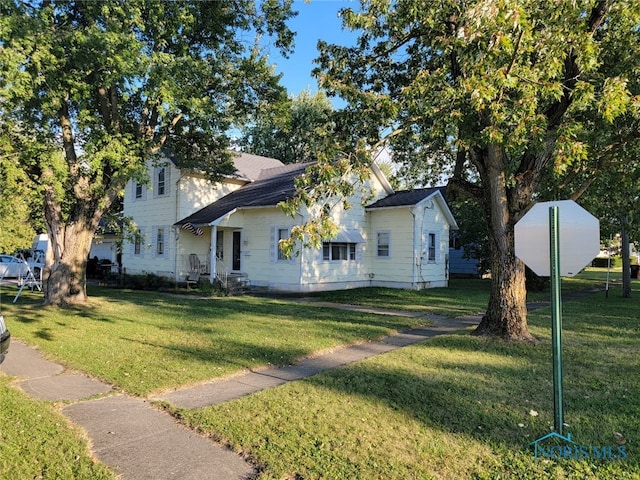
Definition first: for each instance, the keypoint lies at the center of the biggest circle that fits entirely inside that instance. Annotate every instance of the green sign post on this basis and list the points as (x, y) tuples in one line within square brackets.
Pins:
[(578, 236), (556, 317)]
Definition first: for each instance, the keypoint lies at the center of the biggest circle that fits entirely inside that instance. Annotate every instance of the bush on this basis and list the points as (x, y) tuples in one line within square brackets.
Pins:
[(146, 281), (603, 262)]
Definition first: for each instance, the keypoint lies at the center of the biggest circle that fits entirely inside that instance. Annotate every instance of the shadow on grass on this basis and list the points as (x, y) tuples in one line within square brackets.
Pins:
[(487, 389), (442, 388), (240, 354)]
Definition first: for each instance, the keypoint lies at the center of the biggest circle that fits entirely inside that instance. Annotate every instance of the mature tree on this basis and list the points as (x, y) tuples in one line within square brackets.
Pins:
[(18, 201), (498, 94), (292, 134), (94, 89), (614, 197)]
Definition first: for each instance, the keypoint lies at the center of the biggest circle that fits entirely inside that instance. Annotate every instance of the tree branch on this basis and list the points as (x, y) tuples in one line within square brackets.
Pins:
[(163, 138)]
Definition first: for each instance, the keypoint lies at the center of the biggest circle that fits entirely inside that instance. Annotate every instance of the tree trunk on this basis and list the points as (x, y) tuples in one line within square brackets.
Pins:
[(64, 277), (626, 261), (506, 315)]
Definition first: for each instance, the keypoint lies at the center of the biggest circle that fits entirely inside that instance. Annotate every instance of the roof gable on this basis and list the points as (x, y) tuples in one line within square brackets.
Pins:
[(274, 185), (413, 198)]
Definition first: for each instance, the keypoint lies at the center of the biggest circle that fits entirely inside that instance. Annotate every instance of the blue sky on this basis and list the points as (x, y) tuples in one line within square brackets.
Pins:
[(317, 19)]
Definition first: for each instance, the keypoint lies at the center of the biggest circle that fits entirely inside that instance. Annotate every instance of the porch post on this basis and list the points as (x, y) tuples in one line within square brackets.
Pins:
[(212, 255)]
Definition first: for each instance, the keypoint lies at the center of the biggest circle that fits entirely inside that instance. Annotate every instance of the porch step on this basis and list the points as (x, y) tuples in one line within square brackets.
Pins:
[(237, 284)]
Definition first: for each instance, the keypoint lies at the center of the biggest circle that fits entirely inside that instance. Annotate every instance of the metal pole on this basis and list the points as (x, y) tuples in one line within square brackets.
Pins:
[(556, 318)]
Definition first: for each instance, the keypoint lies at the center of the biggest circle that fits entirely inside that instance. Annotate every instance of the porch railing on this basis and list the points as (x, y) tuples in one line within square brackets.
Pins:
[(222, 272)]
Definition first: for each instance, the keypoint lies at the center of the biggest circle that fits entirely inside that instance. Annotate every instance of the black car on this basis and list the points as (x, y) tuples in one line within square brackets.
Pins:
[(5, 339)]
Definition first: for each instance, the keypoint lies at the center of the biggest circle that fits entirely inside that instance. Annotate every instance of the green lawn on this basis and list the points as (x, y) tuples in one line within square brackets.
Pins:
[(456, 406), (453, 407), (462, 297), (144, 342), (37, 442)]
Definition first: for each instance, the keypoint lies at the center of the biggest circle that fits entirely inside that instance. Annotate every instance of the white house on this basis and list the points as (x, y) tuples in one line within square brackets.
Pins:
[(232, 228)]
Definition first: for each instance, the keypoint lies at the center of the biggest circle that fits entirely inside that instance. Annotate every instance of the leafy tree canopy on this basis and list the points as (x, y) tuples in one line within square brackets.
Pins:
[(501, 96), (293, 134), (94, 89)]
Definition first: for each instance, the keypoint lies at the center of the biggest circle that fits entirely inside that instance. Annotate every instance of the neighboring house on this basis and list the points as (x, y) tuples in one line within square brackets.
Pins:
[(459, 264), (232, 229)]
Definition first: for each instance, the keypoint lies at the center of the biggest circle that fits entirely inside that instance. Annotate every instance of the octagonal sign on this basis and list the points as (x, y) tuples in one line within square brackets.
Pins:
[(579, 238)]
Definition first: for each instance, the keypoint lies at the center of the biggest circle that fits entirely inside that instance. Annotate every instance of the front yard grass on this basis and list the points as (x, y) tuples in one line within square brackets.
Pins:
[(462, 297), (144, 342), (456, 406), (37, 442)]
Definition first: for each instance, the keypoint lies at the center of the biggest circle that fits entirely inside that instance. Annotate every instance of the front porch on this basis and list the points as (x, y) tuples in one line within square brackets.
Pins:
[(200, 264)]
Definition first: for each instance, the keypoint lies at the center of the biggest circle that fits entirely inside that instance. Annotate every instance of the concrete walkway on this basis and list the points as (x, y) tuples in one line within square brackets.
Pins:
[(138, 441)]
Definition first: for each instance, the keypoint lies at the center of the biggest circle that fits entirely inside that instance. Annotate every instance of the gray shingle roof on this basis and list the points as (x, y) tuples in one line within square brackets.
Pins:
[(272, 186), (404, 198), (251, 166)]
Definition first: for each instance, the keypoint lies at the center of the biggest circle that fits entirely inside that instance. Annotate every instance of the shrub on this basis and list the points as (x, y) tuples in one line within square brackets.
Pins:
[(603, 262)]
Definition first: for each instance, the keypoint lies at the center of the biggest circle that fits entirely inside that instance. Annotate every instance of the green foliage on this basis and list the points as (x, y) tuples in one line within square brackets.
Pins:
[(20, 202), (606, 262), (472, 232), (497, 96), (295, 133), (91, 90), (17, 204)]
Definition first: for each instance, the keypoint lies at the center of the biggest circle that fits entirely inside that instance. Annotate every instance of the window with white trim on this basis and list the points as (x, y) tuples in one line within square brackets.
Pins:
[(161, 181), (139, 192), (279, 232), (430, 246), (338, 251), (160, 246), (137, 247), (383, 244), (282, 234)]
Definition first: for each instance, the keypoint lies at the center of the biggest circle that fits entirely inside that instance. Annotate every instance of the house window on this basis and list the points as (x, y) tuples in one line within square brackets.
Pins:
[(137, 245), (160, 246), (333, 251), (138, 188), (383, 249), (283, 234), (161, 181), (431, 246)]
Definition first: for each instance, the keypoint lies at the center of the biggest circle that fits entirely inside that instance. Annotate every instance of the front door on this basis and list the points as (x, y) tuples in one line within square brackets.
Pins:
[(236, 251)]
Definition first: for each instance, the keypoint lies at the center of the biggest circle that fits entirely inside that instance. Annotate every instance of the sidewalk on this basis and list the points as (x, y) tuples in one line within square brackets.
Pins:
[(138, 441)]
